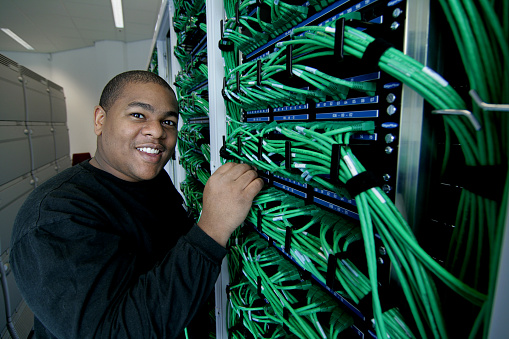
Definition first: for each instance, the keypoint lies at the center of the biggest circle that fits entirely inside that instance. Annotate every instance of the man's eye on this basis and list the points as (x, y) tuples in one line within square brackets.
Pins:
[(137, 115), (169, 123)]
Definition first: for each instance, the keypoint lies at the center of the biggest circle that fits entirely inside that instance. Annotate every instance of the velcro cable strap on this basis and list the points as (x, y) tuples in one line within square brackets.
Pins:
[(374, 52), (361, 183)]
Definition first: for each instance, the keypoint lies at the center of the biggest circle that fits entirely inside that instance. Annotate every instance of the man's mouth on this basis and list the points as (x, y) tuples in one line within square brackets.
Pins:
[(149, 150)]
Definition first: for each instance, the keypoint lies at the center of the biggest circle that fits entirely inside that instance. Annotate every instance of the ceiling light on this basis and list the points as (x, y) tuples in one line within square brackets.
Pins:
[(17, 38), (117, 13)]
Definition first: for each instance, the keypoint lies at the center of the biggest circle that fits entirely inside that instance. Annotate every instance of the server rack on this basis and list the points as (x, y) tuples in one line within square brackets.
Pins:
[(409, 178)]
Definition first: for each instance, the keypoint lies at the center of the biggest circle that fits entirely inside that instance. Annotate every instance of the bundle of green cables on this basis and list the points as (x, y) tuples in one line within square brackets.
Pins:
[(312, 252), (313, 149), (481, 32)]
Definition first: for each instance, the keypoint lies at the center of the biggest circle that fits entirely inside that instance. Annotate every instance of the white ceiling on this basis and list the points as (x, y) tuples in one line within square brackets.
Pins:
[(57, 25)]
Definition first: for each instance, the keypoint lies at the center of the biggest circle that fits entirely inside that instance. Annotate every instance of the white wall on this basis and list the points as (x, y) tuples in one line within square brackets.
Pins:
[(83, 73)]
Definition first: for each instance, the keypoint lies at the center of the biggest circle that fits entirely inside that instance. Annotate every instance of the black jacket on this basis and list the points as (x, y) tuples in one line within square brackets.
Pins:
[(96, 256)]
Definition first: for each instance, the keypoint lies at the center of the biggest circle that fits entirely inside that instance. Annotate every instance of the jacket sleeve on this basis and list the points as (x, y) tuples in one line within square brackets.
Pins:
[(81, 282)]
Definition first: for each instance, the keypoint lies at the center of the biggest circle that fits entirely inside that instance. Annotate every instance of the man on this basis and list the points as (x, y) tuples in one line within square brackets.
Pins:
[(105, 249)]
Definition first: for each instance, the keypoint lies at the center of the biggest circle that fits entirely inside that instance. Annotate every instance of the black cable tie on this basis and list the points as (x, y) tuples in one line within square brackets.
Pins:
[(339, 40), (288, 239), (289, 59), (260, 148), (259, 72), (288, 155), (259, 286), (374, 52), (239, 146), (331, 271), (221, 27), (361, 183), (238, 81), (334, 164)]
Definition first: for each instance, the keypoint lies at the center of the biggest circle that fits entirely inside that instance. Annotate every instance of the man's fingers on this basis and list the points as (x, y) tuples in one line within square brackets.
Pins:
[(233, 170), (246, 178), (254, 187)]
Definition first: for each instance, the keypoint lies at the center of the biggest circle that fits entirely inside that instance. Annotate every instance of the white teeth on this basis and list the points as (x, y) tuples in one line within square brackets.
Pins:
[(149, 150)]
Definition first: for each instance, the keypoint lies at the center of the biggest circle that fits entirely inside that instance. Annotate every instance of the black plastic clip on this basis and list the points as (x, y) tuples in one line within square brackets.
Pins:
[(258, 72), (331, 271), (223, 152), (237, 14), (225, 45), (334, 163), (288, 155), (289, 58), (288, 239), (339, 40), (223, 93), (260, 148)]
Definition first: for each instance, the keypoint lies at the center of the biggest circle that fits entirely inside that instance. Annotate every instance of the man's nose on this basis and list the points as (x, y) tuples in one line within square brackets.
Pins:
[(154, 129)]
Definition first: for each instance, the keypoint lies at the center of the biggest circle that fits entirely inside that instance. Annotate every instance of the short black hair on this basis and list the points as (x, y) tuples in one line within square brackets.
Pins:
[(114, 87)]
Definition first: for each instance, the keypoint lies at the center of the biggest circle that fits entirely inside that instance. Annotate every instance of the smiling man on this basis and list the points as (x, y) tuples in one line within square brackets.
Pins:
[(106, 249)]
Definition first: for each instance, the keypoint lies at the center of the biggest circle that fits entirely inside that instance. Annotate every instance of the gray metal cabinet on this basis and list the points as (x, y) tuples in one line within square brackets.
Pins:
[(34, 146)]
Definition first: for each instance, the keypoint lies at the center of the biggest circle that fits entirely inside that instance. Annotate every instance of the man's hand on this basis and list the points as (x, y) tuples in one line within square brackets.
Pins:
[(227, 199)]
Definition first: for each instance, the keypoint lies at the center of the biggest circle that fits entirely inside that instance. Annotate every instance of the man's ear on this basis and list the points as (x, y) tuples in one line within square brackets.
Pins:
[(99, 119)]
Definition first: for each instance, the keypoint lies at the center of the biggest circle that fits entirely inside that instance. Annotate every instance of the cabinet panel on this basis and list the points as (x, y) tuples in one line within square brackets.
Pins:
[(43, 146), (61, 134), (15, 151), (12, 105)]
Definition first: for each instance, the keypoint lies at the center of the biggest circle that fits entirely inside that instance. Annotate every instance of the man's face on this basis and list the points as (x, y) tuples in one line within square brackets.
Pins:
[(137, 135)]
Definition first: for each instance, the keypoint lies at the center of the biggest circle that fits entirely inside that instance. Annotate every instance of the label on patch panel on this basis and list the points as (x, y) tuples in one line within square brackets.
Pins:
[(336, 208), (292, 117), (259, 111), (348, 115), (335, 196), (364, 136), (290, 189), (353, 101), (291, 108), (291, 181), (258, 119)]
